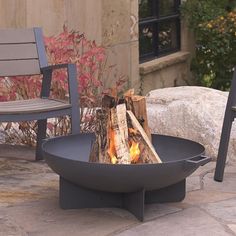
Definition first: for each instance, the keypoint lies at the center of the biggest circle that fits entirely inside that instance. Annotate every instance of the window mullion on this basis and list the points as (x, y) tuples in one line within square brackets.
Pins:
[(159, 28)]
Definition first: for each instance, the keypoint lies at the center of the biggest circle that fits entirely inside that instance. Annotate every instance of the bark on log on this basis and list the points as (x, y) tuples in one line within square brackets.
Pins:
[(153, 155), (102, 117), (137, 104), (140, 112)]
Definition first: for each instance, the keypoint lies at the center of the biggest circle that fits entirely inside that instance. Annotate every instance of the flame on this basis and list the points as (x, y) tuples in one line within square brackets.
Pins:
[(112, 150), (134, 152)]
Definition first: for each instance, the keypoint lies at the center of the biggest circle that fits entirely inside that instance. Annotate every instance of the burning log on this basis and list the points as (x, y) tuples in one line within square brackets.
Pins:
[(153, 155), (137, 104), (120, 132), (120, 138)]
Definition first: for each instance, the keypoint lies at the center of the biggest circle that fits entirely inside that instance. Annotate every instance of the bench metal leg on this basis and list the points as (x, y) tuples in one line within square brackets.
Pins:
[(75, 121), (42, 128), (223, 148)]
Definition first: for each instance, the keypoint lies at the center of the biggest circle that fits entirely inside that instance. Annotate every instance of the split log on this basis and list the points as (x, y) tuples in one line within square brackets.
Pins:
[(120, 129), (122, 121), (100, 146), (137, 104), (140, 112), (153, 155)]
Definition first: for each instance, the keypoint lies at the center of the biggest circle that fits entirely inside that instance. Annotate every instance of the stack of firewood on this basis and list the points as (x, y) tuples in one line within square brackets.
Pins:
[(122, 132)]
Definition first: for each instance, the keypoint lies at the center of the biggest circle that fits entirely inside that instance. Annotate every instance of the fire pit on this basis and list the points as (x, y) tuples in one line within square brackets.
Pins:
[(85, 184)]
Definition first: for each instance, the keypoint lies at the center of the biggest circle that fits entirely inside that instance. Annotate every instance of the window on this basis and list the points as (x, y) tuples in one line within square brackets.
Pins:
[(159, 28)]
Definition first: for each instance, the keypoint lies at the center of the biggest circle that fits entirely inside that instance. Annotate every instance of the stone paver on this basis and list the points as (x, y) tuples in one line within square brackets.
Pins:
[(29, 205), (228, 185), (223, 210), (232, 227), (188, 222)]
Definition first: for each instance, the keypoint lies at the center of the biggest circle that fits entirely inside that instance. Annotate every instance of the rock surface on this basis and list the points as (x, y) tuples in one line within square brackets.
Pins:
[(191, 112)]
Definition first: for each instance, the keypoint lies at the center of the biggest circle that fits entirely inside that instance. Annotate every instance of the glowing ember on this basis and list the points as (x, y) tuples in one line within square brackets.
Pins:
[(134, 152)]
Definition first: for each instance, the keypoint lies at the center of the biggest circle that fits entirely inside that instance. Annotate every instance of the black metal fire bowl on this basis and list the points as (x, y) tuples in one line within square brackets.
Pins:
[(84, 184)]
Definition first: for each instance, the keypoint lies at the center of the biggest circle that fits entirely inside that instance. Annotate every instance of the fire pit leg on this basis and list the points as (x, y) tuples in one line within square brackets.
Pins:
[(134, 203), (173, 193), (75, 197)]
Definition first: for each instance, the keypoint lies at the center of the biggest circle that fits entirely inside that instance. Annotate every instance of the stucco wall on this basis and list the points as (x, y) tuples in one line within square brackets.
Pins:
[(114, 24), (107, 22), (120, 37), (52, 14)]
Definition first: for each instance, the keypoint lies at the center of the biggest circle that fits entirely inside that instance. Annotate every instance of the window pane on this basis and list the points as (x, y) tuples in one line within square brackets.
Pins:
[(146, 39), (145, 8), (166, 7), (168, 36)]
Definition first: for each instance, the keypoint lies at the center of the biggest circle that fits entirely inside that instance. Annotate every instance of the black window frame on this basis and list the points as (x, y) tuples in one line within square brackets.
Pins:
[(156, 20)]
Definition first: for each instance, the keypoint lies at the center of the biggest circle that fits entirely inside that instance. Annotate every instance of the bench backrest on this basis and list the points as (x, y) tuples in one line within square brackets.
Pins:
[(22, 52)]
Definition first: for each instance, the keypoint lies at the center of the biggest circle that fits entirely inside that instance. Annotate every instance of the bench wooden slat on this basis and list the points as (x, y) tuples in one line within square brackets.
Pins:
[(17, 36), (18, 51), (21, 104), (19, 67), (32, 106)]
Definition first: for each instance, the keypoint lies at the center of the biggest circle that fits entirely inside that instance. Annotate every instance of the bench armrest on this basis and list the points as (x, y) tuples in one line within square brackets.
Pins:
[(72, 80), (55, 67)]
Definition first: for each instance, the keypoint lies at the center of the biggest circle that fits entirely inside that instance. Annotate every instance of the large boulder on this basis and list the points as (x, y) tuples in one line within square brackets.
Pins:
[(191, 112)]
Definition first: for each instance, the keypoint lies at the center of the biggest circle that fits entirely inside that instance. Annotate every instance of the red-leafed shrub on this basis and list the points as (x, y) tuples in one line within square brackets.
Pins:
[(91, 62)]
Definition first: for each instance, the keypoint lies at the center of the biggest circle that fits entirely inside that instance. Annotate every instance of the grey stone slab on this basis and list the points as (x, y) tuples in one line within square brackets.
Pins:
[(230, 167), (9, 228), (44, 217), (22, 181), (202, 170), (10, 166), (193, 183), (232, 227), (189, 222), (17, 151), (199, 197), (228, 184), (223, 210), (153, 211)]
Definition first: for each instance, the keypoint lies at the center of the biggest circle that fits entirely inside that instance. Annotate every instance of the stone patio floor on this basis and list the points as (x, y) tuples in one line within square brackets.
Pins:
[(29, 205)]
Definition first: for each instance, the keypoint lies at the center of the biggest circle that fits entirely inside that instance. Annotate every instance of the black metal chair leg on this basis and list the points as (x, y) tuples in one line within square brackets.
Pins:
[(223, 149), (74, 99), (75, 122), (42, 128)]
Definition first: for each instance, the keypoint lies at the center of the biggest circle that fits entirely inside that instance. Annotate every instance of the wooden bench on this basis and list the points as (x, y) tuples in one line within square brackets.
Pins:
[(22, 52)]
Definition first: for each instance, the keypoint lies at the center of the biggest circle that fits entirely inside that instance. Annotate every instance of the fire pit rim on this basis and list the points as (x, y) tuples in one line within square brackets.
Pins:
[(47, 142)]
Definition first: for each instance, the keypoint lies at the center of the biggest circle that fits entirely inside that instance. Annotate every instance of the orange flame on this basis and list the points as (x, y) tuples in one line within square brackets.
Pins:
[(112, 150), (134, 152)]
